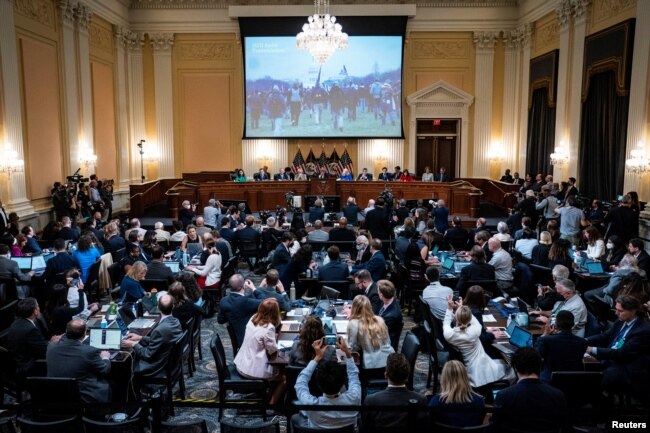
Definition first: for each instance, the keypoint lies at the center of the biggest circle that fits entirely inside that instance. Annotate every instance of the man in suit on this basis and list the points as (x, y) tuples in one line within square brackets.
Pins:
[(261, 175), (271, 287), (342, 233), (323, 174), (365, 286), (9, 269), (334, 270), (507, 177), (237, 308), (316, 212), (67, 232), (529, 404), (351, 211), (61, 262), (152, 352), (624, 349), (71, 358), (397, 374), (385, 175), (226, 232), (4, 219), (560, 349), (25, 341), (281, 254), (248, 235), (281, 175), (376, 265), (376, 221), (516, 180), (156, 270), (442, 175), (390, 310), (401, 213), (477, 270), (636, 247), (364, 175), (112, 240)]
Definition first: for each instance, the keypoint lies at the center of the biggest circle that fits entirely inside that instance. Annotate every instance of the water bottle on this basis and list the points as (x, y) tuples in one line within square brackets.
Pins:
[(104, 323), (186, 259), (292, 291), (178, 255)]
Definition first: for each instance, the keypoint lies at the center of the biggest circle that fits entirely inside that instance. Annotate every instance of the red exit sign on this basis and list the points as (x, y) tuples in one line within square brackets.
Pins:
[(437, 122)]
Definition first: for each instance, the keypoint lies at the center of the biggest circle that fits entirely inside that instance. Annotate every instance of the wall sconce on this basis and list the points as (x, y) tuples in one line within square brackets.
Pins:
[(10, 163), (639, 163), (87, 159), (560, 156), (151, 154), (496, 153)]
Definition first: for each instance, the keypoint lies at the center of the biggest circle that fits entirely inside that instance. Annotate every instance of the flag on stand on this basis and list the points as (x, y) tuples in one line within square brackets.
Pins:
[(344, 71), (312, 164), (346, 161), (335, 162), (298, 162), (318, 79), (323, 161)]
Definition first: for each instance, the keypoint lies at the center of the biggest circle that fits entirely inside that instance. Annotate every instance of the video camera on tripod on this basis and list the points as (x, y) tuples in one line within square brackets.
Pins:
[(76, 177)]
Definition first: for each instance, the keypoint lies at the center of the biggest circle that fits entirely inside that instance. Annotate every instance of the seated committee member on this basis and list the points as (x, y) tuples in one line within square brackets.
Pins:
[(457, 404), (300, 174), (364, 175), (152, 352), (334, 270), (385, 175), (406, 176), (530, 405), (427, 176), (345, 175), (330, 379), (477, 270), (71, 358), (396, 394), (130, 288), (624, 349), (368, 334), (236, 309), (571, 301), (560, 349), (442, 175)]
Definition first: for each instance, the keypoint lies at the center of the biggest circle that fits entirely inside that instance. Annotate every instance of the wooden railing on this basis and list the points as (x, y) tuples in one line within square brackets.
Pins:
[(143, 196), (496, 193)]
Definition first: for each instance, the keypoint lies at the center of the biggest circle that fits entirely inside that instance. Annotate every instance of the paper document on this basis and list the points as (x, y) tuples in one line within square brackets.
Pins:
[(488, 318)]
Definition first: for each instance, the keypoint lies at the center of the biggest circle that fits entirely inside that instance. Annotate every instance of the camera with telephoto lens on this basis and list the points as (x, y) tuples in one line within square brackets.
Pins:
[(265, 215)]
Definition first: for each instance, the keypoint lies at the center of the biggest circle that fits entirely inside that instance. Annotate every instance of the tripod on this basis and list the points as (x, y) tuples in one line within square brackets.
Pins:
[(140, 146)]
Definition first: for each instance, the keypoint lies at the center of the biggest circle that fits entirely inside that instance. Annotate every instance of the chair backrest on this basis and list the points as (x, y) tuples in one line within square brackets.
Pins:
[(542, 275), (489, 286), (129, 426), (185, 427), (327, 292), (579, 387), (115, 272), (248, 246), (93, 272), (303, 429), (8, 314), (118, 255), (219, 355), (291, 373), (394, 334), (54, 396), (410, 349), (174, 365), (68, 425), (507, 245), (8, 291), (234, 341), (7, 426), (148, 284)]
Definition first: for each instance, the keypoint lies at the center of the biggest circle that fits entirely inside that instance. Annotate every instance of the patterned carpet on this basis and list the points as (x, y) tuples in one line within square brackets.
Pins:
[(204, 385)]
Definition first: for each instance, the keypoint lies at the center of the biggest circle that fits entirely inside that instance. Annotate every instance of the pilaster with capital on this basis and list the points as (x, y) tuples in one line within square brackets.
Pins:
[(162, 61), (485, 42), (511, 91), (525, 34), (562, 116), (123, 175), (16, 187), (83, 16), (70, 78), (134, 42)]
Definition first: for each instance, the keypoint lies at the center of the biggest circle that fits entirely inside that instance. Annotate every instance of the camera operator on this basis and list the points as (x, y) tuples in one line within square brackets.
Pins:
[(623, 221), (187, 213), (60, 200), (546, 205), (106, 194)]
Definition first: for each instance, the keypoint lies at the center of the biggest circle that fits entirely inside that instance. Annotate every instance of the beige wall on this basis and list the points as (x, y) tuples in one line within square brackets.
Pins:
[(546, 37), (606, 13)]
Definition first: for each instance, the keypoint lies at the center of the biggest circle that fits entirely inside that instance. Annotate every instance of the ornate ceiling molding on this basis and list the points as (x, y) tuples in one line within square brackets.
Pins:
[(224, 4)]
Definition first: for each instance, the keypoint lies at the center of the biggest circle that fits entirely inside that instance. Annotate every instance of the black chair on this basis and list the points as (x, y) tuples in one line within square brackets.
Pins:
[(230, 379), (159, 285), (394, 334), (249, 249), (445, 428), (583, 393), (195, 338), (415, 282), (185, 427), (507, 245), (92, 282), (410, 350), (54, 397), (343, 287), (68, 425), (188, 357), (234, 341), (10, 382), (303, 429), (8, 290), (118, 255), (434, 345), (488, 286), (239, 425), (135, 425), (7, 426), (542, 275), (8, 314), (173, 245)]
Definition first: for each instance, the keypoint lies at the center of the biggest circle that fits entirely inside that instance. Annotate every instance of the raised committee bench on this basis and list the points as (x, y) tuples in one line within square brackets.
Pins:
[(462, 196)]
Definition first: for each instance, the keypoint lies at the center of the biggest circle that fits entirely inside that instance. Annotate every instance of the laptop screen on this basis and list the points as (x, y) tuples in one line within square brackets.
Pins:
[(511, 327), (48, 256), (105, 338), (458, 266), (594, 268), (520, 337), (448, 264), (38, 263), (173, 266), (435, 249), (23, 262)]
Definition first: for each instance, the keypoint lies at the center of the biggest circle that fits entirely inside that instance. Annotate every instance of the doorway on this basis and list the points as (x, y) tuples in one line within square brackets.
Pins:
[(436, 145)]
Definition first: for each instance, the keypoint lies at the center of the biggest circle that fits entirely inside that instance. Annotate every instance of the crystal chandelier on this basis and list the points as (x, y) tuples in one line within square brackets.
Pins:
[(639, 163), (322, 36), (10, 163), (560, 156)]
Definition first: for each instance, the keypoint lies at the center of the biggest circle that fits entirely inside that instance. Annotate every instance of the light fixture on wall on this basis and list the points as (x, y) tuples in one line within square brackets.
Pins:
[(639, 163), (151, 153), (87, 159), (322, 36), (560, 156), (496, 153), (10, 163)]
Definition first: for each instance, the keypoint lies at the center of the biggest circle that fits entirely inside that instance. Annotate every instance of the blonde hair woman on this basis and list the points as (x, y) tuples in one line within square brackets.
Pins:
[(465, 338), (457, 404), (130, 288), (368, 333), (540, 251)]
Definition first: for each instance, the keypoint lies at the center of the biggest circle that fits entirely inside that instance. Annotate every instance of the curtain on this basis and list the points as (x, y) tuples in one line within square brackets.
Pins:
[(541, 134), (603, 139)]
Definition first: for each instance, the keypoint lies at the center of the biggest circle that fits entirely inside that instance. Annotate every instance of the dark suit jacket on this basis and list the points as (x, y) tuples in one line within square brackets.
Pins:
[(114, 243), (626, 367), (342, 234), (333, 271), (26, 344), (475, 271), (237, 310), (153, 350), (351, 212), (71, 358), (368, 176), (282, 176), (507, 179), (61, 262), (248, 234), (390, 397), (561, 352), (316, 213), (263, 293), (377, 223), (528, 406), (439, 177), (643, 261), (69, 233), (385, 176), (376, 266), (281, 258), (158, 271), (9, 269), (373, 294), (392, 315)]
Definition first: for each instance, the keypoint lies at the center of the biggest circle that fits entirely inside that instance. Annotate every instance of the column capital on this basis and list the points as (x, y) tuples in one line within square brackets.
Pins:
[(525, 34), (67, 9), (563, 12), (485, 40), (511, 39), (162, 41), (579, 9), (83, 15)]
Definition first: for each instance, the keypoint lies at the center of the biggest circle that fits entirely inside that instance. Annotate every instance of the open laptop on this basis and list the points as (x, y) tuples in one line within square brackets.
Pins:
[(48, 256), (458, 266), (519, 338), (105, 338), (38, 264), (24, 263), (131, 322), (173, 266), (507, 332), (447, 266), (594, 268)]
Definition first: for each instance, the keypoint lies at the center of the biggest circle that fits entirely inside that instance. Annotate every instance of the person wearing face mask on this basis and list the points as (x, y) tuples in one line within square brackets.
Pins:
[(363, 252), (614, 252)]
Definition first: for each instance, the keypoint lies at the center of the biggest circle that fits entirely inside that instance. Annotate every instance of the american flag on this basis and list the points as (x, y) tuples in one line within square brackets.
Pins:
[(346, 161), (311, 157), (298, 162), (336, 160), (323, 161)]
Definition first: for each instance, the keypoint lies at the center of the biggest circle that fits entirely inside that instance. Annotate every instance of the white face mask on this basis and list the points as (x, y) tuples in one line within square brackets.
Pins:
[(610, 245)]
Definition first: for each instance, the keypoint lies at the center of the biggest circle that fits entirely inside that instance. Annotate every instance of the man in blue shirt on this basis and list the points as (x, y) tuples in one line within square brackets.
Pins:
[(330, 378)]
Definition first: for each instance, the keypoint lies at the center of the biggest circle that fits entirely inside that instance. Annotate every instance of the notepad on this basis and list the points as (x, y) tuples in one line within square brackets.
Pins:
[(488, 318)]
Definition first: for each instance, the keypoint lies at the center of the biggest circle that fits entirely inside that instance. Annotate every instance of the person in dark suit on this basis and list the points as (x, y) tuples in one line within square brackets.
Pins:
[(67, 232), (9, 269), (376, 221), (226, 232), (526, 406), (334, 270), (61, 262), (156, 270), (377, 263), (237, 308), (271, 287), (261, 175), (317, 211), (342, 233), (390, 311), (397, 374), (351, 211), (507, 177), (636, 247), (249, 235), (112, 240), (516, 179), (323, 174), (401, 213), (152, 352), (365, 286), (442, 175), (624, 349), (281, 175), (25, 341), (477, 270), (456, 236), (561, 351), (364, 175), (281, 254), (71, 358), (385, 175)]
